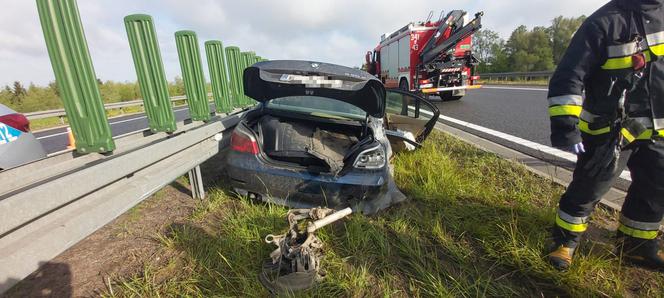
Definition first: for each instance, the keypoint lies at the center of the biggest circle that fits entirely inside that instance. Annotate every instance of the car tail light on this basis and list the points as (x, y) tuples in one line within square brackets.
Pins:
[(373, 158), (17, 121), (243, 141)]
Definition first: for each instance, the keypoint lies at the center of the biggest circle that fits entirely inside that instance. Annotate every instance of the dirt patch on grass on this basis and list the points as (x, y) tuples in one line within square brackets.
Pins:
[(121, 248), (118, 249)]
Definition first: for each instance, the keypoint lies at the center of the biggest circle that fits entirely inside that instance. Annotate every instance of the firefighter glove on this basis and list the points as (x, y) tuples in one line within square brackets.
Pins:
[(576, 149)]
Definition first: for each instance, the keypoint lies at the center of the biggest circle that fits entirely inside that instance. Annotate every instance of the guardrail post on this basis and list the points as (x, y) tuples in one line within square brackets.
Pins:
[(196, 182), (150, 72), (75, 75), (232, 60), (192, 75), (218, 79)]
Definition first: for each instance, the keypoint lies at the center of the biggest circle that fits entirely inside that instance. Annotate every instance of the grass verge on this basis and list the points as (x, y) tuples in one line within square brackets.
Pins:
[(476, 225)]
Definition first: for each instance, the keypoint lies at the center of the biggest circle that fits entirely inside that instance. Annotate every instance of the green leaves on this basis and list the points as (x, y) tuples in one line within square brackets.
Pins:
[(525, 50)]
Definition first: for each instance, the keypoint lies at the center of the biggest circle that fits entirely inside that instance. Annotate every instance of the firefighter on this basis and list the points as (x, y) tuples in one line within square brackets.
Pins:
[(606, 99)]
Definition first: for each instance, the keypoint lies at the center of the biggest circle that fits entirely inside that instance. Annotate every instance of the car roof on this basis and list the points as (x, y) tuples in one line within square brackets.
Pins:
[(5, 110), (272, 79)]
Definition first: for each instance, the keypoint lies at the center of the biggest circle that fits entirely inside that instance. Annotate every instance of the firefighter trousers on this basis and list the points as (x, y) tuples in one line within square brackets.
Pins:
[(643, 208)]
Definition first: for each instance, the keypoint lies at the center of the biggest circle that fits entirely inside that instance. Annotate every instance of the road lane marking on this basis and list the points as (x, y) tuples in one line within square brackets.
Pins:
[(515, 88), (53, 135), (520, 141), (110, 123)]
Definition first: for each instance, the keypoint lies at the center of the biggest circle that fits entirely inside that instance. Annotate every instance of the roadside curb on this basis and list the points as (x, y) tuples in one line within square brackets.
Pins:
[(544, 153)]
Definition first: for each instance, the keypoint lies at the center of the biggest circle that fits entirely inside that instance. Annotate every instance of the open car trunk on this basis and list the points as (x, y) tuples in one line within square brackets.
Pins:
[(318, 146)]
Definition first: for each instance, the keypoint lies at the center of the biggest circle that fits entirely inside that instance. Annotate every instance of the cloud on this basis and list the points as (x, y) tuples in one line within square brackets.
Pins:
[(333, 31)]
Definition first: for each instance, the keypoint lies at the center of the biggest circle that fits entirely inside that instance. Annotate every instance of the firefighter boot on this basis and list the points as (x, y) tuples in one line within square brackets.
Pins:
[(561, 256), (641, 252), (562, 249)]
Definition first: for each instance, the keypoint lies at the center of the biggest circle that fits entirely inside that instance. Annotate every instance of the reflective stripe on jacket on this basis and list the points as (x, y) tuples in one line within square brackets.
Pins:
[(585, 90)]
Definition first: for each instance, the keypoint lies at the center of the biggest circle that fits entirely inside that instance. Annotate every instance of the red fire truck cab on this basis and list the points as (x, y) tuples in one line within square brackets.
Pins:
[(429, 57)]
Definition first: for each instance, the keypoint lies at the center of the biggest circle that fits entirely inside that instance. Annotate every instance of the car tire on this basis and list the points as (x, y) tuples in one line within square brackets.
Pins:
[(403, 85)]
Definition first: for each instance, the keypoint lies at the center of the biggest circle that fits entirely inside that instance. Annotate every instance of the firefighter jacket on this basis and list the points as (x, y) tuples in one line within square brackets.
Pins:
[(598, 68)]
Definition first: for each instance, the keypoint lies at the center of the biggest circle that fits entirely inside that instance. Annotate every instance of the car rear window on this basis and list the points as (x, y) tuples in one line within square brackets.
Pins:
[(318, 106)]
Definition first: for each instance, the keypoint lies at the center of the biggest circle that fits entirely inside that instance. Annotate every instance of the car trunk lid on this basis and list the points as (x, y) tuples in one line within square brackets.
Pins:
[(268, 80)]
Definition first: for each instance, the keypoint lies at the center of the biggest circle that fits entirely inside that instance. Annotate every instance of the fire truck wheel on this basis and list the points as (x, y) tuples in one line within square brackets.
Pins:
[(448, 96), (403, 85)]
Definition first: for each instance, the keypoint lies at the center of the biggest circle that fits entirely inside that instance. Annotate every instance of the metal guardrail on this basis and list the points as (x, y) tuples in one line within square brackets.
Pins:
[(46, 209), (108, 106), (517, 75), (49, 205)]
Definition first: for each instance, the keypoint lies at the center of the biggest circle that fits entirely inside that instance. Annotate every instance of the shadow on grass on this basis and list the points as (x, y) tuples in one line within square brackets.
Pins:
[(52, 279)]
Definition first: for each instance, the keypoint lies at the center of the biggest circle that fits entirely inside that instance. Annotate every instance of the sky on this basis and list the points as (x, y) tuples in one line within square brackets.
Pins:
[(339, 31)]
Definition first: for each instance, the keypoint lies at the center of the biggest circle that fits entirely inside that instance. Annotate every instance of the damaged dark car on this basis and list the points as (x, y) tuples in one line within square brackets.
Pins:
[(323, 135)]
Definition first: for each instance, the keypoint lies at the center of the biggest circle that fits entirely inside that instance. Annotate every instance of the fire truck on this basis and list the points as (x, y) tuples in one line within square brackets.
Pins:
[(430, 57)]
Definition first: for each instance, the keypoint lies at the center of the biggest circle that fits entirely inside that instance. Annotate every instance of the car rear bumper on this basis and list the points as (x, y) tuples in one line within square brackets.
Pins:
[(298, 188)]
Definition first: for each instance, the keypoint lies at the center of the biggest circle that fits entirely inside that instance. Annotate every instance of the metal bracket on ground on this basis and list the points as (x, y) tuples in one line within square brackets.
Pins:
[(196, 182)]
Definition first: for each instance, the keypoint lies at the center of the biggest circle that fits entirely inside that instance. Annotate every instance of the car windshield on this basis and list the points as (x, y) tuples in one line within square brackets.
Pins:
[(318, 106)]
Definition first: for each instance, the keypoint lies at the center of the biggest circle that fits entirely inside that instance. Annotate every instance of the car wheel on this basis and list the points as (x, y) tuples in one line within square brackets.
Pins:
[(403, 85)]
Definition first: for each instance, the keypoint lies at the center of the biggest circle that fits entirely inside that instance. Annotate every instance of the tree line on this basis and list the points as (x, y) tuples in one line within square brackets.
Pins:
[(36, 98), (538, 49)]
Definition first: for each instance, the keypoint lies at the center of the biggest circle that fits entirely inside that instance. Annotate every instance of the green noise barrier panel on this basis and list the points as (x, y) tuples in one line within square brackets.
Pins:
[(75, 75), (235, 76), (150, 72), (192, 75), (214, 51)]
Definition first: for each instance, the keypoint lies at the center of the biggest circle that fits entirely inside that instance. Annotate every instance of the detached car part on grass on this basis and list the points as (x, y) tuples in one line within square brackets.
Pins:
[(295, 264), (321, 135)]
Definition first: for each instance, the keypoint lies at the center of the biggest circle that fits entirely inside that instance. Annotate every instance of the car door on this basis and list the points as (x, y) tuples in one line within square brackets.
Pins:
[(17, 144), (409, 119)]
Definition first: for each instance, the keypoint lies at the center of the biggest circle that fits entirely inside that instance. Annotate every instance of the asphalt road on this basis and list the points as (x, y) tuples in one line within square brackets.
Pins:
[(519, 111), (54, 140)]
